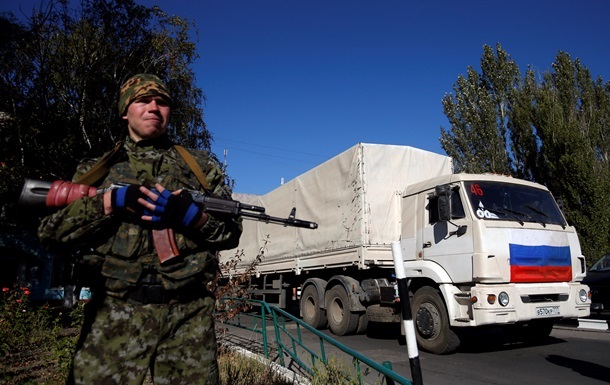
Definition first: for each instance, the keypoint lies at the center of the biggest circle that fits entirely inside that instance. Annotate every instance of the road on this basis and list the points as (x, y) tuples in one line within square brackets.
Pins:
[(569, 356)]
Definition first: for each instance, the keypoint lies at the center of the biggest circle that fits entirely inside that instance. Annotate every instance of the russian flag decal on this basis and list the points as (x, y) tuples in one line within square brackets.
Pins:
[(540, 263)]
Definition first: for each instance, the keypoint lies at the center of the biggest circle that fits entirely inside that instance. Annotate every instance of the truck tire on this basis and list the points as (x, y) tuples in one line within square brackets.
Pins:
[(382, 314), (432, 322), (363, 323), (341, 320), (313, 315)]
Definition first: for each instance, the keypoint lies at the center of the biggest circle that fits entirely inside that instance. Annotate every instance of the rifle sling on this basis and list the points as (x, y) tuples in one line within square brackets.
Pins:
[(102, 167), (193, 165)]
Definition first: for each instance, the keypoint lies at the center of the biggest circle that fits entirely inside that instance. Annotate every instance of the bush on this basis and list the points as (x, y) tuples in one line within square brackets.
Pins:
[(36, 343), (236, 369), (334, 372)]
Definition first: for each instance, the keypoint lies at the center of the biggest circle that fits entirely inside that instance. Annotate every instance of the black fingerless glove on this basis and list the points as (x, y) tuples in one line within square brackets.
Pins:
[(126, 199), (176, 211)]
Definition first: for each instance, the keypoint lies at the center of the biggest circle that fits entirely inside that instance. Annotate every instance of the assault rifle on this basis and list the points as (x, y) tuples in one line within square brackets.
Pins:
[(61, 193)]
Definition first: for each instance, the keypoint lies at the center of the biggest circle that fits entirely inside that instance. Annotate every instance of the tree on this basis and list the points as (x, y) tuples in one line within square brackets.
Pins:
[(60, 74), (570, 121), (554, 131), (524, 142), (478, 113)]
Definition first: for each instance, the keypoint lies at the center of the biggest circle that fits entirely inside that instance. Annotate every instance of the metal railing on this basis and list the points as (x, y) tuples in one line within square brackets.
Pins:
[(291, 344)]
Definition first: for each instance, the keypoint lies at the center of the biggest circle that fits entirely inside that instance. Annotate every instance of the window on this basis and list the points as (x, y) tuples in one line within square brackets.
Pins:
[(512, 202), (457, 208)]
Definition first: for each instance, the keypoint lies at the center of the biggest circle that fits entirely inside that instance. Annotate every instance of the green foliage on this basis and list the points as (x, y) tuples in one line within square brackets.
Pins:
[(478, 113), (337, 372), (571, 123), (554, 131), (60, 74), (36, 346), (236, 369)]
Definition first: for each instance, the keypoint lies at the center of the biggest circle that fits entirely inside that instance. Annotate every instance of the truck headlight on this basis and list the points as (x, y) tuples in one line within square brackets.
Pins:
[(503, 298), (582, 295)]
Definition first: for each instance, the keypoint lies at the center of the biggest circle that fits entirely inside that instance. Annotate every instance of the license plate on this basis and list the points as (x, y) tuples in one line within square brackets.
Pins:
[(548, 311)]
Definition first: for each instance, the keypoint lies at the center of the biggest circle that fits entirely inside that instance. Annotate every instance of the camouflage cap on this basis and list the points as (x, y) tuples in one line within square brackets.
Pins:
[(141, 85)]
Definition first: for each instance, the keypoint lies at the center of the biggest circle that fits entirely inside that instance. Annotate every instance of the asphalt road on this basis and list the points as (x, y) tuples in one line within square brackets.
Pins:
[(569, 356)]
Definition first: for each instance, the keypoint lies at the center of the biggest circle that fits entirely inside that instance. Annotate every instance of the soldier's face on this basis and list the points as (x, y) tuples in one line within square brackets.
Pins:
[(147, 117)]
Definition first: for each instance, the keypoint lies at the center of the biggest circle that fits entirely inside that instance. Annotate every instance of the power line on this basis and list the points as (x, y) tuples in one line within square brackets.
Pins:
[(269, 147), (267, 155)]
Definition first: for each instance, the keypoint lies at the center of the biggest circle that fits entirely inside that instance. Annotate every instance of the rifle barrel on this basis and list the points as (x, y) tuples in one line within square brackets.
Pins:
[(284, 221)]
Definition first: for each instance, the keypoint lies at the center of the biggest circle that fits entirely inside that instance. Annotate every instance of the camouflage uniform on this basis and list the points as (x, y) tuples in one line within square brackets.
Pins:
[(147, 314)]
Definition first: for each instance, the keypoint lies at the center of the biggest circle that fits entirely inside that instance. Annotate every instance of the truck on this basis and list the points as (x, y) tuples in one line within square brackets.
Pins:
[(478, 249)]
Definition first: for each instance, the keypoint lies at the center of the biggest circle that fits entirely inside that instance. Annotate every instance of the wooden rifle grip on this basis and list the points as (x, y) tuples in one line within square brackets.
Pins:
[(165, 244)]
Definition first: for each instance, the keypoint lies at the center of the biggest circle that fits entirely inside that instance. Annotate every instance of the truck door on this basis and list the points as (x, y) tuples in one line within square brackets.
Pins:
[(441, 240)]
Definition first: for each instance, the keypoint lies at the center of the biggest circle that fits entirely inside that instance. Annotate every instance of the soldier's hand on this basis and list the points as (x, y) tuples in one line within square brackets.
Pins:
[(128, 199), (176, 209)]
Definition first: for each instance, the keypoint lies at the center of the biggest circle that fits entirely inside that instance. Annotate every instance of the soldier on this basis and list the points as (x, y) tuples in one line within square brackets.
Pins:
[(147, 314)]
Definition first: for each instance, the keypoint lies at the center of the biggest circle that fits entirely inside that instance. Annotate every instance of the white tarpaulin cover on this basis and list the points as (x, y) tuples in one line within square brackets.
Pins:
[(354, 197)]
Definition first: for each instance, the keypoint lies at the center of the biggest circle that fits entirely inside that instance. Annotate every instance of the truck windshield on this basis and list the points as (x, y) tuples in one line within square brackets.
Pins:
[(512, 202)]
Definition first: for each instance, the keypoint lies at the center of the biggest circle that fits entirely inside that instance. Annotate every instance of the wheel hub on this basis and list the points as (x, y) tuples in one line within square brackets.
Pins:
[(425, 321), (337, 310), (309, 309)]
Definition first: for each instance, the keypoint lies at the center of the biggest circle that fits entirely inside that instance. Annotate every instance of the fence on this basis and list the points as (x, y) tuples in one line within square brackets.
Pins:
[(288, 342)]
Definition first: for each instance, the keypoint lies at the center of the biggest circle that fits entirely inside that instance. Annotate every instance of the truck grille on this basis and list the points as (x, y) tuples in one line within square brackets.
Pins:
[(539, 298)]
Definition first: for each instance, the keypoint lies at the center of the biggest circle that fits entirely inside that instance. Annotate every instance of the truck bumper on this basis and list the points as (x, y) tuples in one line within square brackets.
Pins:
[(526, 302)]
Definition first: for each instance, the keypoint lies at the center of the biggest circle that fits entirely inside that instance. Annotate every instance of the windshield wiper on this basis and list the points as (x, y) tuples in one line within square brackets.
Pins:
[(528, 217), (504, 212), (537, 211)]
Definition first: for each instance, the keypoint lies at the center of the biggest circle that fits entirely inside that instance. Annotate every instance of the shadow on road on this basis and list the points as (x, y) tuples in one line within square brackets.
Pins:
[(489, 339), (479, 340), (384, 331), (587, 369)]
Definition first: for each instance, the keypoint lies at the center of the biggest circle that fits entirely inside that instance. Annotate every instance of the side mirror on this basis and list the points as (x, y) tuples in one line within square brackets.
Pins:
[(443, 195), (461, 230)]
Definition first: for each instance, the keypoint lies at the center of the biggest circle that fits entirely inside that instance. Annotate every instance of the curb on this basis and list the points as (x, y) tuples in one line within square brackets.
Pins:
[(589, 324), (286, 373), (593, 324)]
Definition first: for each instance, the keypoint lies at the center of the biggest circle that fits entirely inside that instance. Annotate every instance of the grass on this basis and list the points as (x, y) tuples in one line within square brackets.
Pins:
[(236, 369)]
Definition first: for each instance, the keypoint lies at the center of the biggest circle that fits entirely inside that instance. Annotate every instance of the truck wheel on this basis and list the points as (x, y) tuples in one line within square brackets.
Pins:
[(341, 320), (432, 323), (363, 323), (313, 315)]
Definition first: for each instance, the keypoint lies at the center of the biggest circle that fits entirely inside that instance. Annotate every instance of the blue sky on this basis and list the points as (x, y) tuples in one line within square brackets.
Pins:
[(290, 84)]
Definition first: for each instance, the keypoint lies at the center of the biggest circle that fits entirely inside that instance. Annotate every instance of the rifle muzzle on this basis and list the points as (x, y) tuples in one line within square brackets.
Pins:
[(34, 192), (53, 194)]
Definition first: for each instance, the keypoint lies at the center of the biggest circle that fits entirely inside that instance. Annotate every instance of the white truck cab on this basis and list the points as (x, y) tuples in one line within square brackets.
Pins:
[(498, 249)]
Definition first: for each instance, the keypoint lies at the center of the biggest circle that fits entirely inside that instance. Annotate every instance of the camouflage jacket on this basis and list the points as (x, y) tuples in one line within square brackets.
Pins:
[(123, 246)]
